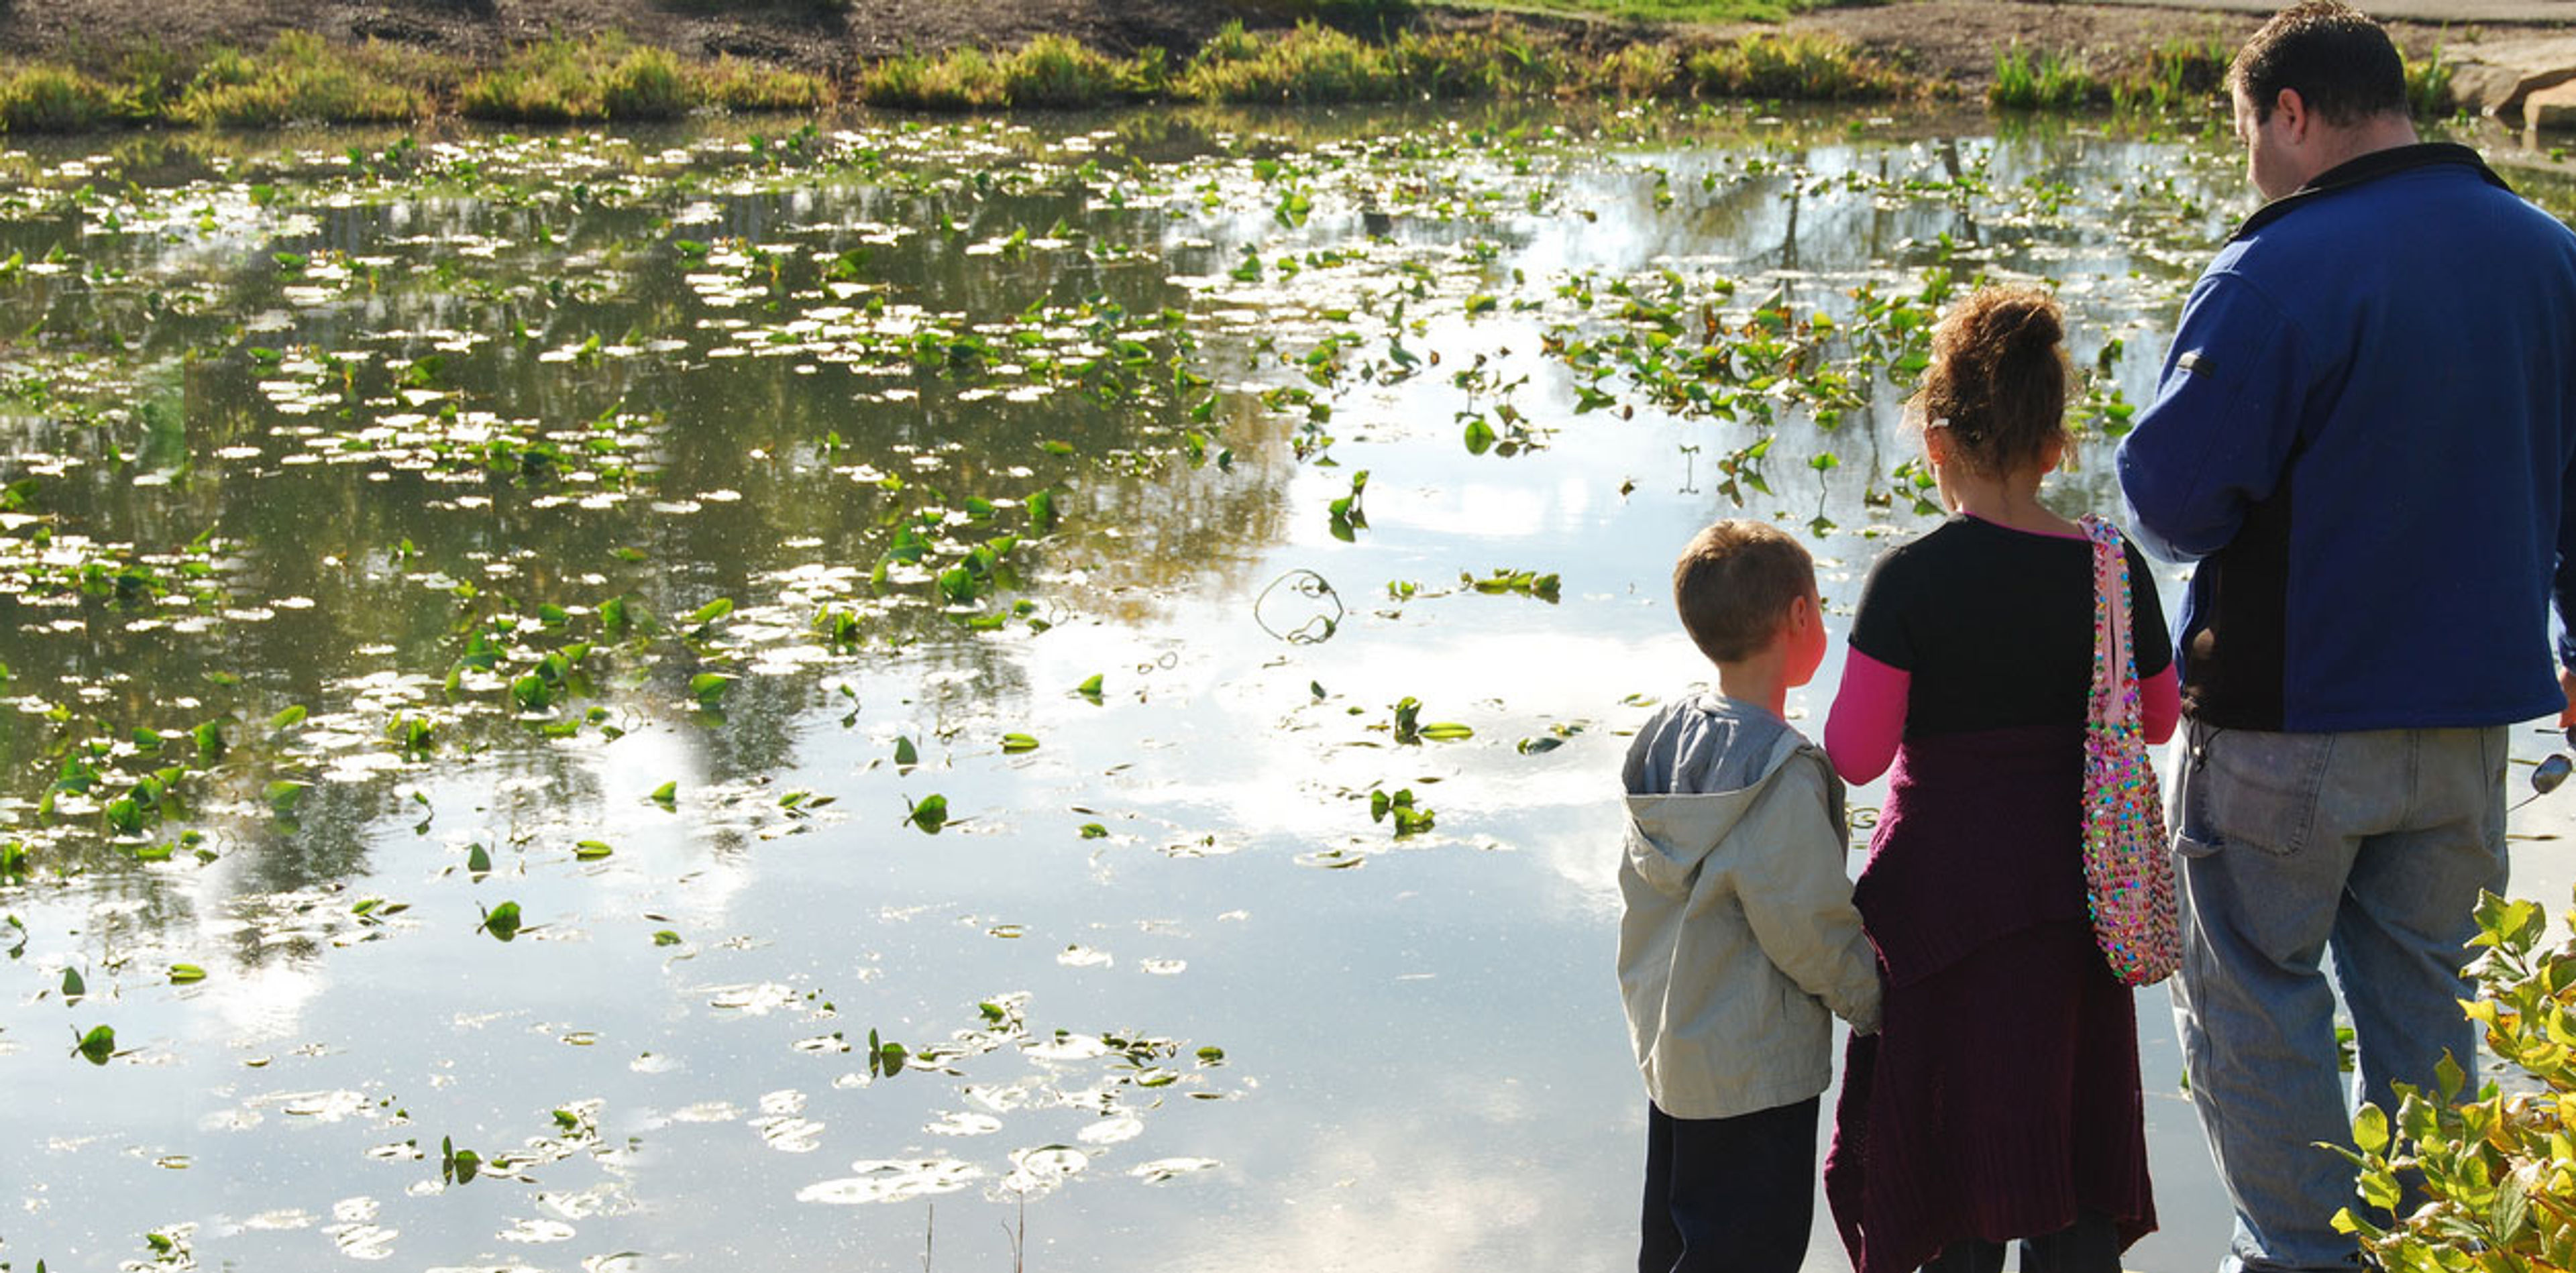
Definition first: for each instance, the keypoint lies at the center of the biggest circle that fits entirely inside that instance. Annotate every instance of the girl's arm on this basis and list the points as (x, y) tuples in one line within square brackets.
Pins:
[(1868, 717), (2160, 704)]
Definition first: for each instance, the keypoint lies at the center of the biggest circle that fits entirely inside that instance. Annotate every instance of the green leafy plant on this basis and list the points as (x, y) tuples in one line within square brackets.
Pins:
[(886, 1057), (1409, 728), (457, 1166), (929, 813), (1409, 818), (1349, 514), (2041, 81), (1527, 583), (2496, 1173)]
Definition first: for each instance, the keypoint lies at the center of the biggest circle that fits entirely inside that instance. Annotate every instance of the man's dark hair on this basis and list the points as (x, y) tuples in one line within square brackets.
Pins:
[(1734, 585), (2332, 55)]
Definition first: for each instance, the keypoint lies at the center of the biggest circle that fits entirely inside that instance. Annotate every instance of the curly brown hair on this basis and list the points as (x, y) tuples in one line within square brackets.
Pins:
[(1999, 379)]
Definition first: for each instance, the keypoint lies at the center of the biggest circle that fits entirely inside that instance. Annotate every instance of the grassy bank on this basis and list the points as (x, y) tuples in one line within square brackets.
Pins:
[(2173, 75), (300, 78), (1321, 64)]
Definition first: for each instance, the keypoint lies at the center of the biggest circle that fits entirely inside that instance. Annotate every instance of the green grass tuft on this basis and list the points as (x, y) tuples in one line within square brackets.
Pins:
[(608, 78), (2042, 81), (647, 83), (1313, 63), (734, 84), (1641, 71), (554, 82), (1799, 66), (2428, 86), (2180, 74), (53, 99), (1054, 70), (301, 78), (960, 80)]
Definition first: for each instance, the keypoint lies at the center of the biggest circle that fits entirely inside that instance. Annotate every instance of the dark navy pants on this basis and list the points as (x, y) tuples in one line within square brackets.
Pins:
[(1729, 1195), (2090, 1245)]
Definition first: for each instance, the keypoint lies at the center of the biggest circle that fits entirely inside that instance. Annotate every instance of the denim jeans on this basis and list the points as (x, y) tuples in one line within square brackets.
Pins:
[(2373, 845)]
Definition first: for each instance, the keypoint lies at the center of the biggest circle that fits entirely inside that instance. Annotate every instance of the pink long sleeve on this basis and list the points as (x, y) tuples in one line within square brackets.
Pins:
[(1867, 721), (2159, 704)]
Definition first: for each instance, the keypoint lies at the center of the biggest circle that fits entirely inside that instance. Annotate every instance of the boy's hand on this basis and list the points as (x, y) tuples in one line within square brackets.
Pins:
[(2567, 690)]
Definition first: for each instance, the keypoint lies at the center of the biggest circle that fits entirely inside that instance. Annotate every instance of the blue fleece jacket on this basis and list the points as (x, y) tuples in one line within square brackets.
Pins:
[(2365, 433)]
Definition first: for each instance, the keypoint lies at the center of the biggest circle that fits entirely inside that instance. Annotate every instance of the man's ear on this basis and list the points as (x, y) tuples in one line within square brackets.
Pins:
[(2292, 110)]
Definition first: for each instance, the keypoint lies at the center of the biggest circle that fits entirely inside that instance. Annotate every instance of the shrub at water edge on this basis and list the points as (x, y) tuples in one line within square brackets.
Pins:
[(53, 99), (302, 78), (2497, 1172)]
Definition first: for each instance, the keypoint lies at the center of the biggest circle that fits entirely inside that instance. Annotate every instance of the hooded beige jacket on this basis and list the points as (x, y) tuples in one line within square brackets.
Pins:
[(1739, 935)]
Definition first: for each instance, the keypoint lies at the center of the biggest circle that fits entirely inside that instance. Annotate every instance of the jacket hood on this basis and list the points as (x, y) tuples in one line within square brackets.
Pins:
[(1670, 835)]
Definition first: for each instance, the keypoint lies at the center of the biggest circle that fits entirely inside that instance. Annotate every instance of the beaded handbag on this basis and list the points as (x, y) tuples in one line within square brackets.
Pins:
[(2128, 873)]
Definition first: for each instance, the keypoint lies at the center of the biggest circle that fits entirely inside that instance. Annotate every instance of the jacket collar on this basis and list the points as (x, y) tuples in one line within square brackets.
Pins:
[(2353, 173)]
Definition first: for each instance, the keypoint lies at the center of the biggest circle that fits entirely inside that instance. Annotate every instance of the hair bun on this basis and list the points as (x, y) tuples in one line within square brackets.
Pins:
[(1999, 378), (2030, 327)]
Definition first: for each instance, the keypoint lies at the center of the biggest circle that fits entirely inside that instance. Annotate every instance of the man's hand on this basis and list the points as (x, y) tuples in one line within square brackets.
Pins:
[(2567, 687)]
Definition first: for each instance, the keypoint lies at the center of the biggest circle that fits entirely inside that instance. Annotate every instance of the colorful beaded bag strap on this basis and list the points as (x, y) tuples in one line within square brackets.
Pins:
[(2128, 872)]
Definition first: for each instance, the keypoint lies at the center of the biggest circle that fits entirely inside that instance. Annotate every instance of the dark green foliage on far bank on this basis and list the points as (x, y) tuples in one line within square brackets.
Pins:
[(564, 81), (301, 78), (53, 99), (2174, 75), (1316, 63)]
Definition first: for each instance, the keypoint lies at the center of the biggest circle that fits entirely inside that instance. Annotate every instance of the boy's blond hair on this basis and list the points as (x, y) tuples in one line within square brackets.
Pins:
[(1734, 585)]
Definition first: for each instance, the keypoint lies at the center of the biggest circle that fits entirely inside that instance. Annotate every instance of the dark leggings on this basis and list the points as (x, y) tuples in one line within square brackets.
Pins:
[(2090, 1245), (1729, 1195)]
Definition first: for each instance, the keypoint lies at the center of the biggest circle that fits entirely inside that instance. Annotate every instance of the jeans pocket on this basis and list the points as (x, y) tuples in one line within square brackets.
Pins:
[(2189, 846), (2260, 789)]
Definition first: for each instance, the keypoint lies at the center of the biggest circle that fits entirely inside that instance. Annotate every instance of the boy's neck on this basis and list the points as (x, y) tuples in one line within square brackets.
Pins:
[(1759, 680)]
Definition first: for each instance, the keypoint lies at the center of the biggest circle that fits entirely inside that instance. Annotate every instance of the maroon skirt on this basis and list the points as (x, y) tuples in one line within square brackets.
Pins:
[(2000, 1096)]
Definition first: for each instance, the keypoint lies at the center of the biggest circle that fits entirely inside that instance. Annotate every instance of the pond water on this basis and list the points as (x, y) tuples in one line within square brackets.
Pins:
[(699, 697)]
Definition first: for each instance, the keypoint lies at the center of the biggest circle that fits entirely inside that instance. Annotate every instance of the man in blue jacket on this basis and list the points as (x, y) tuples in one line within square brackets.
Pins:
[(2364, 434)]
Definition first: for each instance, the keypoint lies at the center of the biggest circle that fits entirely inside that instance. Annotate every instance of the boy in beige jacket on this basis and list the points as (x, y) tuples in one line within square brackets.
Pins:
[(1738, 934)]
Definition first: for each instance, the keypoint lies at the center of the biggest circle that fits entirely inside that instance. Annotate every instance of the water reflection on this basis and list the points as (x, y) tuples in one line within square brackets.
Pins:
[(438, 480)]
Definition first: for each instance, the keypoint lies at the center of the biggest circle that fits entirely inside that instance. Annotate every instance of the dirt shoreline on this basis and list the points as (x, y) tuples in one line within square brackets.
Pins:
[(1940, 41)]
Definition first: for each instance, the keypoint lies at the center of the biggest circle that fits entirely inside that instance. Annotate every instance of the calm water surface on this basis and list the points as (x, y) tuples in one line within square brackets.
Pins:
[(664, 535)]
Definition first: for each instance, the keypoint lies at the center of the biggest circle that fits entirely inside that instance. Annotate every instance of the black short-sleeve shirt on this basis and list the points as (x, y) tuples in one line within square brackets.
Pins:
[(1996, 626)]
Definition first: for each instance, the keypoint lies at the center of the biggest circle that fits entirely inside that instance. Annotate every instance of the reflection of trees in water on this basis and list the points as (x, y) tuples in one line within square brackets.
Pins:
[(329, 531), (1201, 529), (754, 425)]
